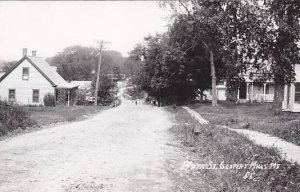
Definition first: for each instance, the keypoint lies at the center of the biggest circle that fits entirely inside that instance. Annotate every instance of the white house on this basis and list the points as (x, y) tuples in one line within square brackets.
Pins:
[(291, 101), (31, 78), (221, 92)]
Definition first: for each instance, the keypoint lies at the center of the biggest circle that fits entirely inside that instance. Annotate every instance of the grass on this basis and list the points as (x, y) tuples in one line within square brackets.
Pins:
[(257, 116), (215, 144), (42, 116), (50, 115)]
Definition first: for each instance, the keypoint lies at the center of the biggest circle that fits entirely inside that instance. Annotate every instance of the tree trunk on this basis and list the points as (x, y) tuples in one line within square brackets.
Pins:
[(213, 80), (278, 98)]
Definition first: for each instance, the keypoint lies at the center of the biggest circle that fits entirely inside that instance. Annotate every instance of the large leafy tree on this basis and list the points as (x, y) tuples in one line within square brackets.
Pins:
[(206, 19), (245, 34), (283, 48), (191, 53), (79, 63), (224, 32), (163, 72)]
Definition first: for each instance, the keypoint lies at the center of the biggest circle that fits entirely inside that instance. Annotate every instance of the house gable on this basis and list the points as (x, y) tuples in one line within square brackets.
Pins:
[(33, 64), (24, 88)]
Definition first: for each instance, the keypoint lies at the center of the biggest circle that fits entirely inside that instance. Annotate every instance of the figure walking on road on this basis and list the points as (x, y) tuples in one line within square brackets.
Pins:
[(135, 102)]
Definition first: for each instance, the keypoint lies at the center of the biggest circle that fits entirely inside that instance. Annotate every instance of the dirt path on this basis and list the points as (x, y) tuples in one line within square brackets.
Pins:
[(289, 151), (123, 150)]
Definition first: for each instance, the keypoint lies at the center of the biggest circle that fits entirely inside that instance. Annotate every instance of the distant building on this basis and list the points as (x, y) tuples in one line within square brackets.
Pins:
[(31, 78), (221, 92)]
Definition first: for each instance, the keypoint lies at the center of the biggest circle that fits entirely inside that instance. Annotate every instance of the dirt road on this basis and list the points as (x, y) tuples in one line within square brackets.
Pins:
[(123, 149)]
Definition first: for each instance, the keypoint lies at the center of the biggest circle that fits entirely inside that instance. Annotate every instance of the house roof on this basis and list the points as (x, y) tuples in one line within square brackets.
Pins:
[(45, 69), (82, 84)]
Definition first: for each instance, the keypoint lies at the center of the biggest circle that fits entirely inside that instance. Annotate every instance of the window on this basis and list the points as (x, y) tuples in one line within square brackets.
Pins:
[(267, 89), (297, 93), (25, 74), (36, 96), (249, 88), (11, 95)]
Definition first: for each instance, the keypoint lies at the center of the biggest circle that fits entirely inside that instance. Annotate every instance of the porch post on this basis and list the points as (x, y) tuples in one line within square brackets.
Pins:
[(285, 97), (247, 91), (265, 86), (68, 97), (292, 96), (252, 90)]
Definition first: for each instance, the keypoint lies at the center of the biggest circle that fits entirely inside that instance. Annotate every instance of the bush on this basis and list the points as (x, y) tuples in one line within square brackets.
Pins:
[(49, 100), (81, 98), (135, 92), (107, 90), (12, 117)]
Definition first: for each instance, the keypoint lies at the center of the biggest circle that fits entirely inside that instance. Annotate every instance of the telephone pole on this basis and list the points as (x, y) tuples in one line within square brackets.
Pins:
[(101, 45)]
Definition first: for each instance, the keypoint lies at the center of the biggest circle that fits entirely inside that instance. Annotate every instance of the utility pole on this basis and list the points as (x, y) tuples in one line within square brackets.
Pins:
[(101, 44)]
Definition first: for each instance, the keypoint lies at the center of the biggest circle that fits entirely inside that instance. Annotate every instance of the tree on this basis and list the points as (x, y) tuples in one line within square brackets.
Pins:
[(193, 57), (8, 65), (107, 89), (210, 25), (79, 63), (233, 31), (165, 73), (75, 63), (206, 19), (283, 49)]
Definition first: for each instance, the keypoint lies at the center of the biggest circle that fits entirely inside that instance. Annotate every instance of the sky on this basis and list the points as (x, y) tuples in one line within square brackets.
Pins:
[(49, 27)]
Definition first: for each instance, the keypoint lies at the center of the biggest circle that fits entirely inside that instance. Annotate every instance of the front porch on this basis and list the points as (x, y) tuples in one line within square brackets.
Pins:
[(255, 92), (66, 95)]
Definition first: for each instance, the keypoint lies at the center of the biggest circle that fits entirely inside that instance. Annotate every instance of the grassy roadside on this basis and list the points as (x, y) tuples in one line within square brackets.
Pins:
[(218, 145), (50, 115), (257, 117), (43, 116)]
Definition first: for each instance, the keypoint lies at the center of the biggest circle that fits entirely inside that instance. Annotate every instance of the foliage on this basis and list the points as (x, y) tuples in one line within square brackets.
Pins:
[(164, 74), (49, 100), (283, 47), (210, 39), (80, 63), (81, 97), (132, 66), (13, 116), (257, 36), (8, 65), (107, 90)]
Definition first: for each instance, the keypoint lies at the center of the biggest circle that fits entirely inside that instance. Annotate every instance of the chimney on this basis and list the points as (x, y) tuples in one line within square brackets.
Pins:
[(24, 51), (33, 53)]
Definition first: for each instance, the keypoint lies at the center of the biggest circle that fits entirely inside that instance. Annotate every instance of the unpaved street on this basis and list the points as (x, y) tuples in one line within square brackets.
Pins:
[(121, 149)]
